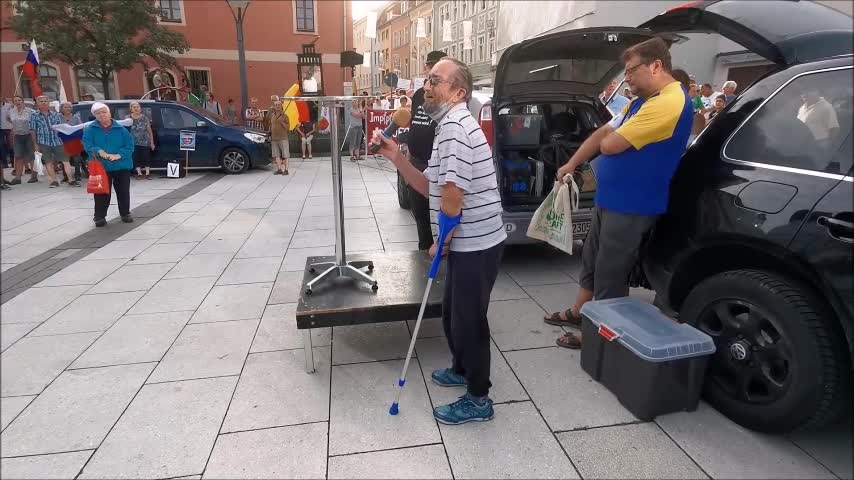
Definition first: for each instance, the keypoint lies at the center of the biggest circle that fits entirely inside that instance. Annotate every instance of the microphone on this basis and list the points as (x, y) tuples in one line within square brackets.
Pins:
[(399, 119)]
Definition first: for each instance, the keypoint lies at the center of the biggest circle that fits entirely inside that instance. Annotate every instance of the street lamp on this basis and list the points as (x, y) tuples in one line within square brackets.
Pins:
[(238, 11)]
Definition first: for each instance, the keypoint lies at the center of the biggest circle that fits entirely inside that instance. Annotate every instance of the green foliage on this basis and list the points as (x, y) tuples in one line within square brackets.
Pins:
[(98, 36)]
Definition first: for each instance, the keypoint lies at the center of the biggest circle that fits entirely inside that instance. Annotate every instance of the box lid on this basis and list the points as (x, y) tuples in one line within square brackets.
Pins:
[(647, 332)]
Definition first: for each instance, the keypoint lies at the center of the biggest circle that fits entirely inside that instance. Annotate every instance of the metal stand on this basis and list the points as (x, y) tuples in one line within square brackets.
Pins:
[(341, 267)]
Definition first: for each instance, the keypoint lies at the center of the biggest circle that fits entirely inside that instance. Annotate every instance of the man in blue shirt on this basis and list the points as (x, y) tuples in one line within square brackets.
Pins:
[(616, 104), (47, 141), (638, 153)]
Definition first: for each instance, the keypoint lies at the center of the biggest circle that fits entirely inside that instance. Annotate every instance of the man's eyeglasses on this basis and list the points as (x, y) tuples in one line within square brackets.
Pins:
[(435, 80), (631, 70)]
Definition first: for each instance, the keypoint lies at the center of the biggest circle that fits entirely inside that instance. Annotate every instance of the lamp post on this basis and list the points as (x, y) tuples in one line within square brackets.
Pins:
[(238, 11)]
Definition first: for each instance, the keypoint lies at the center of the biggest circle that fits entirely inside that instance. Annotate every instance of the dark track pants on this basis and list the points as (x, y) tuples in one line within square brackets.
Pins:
[(120, 181)]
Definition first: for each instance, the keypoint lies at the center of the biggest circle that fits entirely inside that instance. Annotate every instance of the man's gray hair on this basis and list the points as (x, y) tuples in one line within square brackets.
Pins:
[(44, 97), (730, 83), (461, 77)]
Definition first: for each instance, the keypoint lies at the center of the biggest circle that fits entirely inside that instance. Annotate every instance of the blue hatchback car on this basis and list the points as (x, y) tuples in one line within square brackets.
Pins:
[(232, 148)]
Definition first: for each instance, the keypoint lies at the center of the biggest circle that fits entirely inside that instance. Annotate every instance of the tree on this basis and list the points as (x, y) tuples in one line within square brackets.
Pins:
[(98, 37)]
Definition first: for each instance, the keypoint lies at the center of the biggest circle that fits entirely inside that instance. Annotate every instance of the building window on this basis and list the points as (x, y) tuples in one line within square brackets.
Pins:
[(170, 11), (429, 25), (491, 45), (48, 79), (465, 10), (406, 35), (89, 85), (481, 44), (305, 16), (483, 4)]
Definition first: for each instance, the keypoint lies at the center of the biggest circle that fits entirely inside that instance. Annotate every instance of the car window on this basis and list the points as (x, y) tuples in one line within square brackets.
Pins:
[(85, 113), (802, 126), (178, 118), (124, 111)]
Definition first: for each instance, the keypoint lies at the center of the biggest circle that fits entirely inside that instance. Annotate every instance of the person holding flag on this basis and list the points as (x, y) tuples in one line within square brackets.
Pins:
[(73, 143), (47, 142)]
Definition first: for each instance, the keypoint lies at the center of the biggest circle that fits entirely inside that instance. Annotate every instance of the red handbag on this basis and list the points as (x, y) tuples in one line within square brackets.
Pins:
[(98, 183)]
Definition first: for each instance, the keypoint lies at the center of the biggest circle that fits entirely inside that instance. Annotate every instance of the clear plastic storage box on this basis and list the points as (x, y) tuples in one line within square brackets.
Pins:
[(653, 364)]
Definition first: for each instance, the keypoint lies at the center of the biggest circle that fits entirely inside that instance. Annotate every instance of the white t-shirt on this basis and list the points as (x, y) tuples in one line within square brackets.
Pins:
[(384, 103), (462, 156), (820, 117), (709, 102)]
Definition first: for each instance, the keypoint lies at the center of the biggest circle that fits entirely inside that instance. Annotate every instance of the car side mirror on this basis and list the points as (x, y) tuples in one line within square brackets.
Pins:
[(201, 124)]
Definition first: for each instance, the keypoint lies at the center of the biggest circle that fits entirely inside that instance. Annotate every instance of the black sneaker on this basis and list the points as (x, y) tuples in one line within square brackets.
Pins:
[(100, 222), (277, 172), (33, 180), (286, 173), (15, 181), (127, 218), (73, 183), (3, 186), (54, 184)]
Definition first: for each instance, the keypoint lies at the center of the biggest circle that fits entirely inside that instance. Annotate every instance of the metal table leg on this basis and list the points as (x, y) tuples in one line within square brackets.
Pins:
[(309, 351)]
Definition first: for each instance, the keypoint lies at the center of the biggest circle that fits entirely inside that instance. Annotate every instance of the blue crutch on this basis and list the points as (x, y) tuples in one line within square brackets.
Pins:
[(446, 224)]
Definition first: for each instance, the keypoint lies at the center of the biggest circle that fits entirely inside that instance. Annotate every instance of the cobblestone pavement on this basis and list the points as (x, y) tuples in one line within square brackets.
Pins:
[(171, 351)]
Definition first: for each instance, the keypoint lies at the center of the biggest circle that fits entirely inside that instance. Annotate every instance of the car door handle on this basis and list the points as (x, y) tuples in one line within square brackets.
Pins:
[(839, 229)]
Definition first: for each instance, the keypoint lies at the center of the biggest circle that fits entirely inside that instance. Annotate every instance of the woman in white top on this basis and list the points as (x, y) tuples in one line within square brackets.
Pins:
[(212, 105)]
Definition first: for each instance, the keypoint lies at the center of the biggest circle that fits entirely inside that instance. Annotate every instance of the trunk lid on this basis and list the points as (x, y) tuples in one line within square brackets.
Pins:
[(565, 64), (782, 31)]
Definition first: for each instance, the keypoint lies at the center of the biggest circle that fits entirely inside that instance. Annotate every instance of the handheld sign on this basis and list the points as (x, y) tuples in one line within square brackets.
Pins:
[(187, 140)]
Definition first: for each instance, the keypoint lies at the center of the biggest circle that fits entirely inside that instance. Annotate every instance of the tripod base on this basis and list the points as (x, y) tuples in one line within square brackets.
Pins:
[(350, 269)]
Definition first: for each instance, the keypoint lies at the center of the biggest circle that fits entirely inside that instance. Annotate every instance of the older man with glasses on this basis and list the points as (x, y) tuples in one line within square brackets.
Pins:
[(460, 179), (638, 152)]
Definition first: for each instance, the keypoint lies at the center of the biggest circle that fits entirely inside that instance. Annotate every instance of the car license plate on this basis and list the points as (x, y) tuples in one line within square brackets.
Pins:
[(580, 228)]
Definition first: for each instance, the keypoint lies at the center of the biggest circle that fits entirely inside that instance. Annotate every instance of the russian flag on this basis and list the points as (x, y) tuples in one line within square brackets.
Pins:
[(30, 68)]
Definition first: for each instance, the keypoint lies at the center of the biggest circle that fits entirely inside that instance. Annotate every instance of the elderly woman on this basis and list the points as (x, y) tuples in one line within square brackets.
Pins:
[(112, 145), (21, 139), (73, 146), (143, 140)]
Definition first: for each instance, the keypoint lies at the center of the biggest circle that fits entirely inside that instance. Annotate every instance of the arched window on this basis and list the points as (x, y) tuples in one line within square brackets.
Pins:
[(48, 78), (89, 85)]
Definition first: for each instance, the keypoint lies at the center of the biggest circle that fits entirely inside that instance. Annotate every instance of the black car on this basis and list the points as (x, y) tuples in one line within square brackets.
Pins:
[(756, 246), (232, 148)]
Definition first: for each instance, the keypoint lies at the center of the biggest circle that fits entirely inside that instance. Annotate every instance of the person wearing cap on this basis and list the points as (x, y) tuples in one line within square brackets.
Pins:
[(111, 144), (420, 142)]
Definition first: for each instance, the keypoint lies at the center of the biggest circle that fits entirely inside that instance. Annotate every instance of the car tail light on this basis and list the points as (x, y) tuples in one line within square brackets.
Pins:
[(684, 6), (485, 121)]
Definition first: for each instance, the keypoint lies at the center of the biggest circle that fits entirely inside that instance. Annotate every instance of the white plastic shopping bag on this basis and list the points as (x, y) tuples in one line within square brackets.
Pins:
[(38, 166), (552, 222)]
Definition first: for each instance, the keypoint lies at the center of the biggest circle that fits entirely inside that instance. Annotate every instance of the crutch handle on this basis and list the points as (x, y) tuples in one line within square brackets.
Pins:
[(446, 224)]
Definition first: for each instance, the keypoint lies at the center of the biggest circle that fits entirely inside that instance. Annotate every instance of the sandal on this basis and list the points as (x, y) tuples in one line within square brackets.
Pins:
[(572, 320), (569, 340)]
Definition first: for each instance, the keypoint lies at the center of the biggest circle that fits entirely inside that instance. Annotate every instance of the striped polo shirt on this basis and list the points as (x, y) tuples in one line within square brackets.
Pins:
[(462, 156)]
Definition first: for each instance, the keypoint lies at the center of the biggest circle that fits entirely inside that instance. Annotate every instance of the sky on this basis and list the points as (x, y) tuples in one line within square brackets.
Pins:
[(362, 7)]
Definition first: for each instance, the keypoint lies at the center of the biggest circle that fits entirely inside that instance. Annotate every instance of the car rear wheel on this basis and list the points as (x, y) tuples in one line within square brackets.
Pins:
[(234, 160), (402, 192), (779, 365)]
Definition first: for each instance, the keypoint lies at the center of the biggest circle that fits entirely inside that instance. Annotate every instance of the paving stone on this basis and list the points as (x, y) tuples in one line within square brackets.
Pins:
[(565, 395), (278, 331), (221, 244), (555, 297), (321, 222), (58, 466), (38, 304), (256, 203), (274, 390), (313, 238), (365, 343), (398, 233), (505, 288), (415, 462), (185, 206), (149, 231), (207, 350), (186, 233), (164, 253), (831, 445), (361, 396), (132, 277), (234, 302), (170, 218), (12, 332), (434, 354), (205, 219), (33, 362), (121, 249), (430, 327), (89, 313), (228, 228), (76, 411), (251, 270), (10, 407), (516, 444), (628, 451), (518, 324), (246, 215), (724, 449), (264, 245), (402, 217), (83, 272), (174, 295), (167, 431), (534, 272), (135, 339), (295, 257), (287, 288), (401, 247), (204, 265), (288, 452)]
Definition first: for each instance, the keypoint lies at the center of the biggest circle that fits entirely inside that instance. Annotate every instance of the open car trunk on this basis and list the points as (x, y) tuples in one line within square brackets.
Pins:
[(533, 139)]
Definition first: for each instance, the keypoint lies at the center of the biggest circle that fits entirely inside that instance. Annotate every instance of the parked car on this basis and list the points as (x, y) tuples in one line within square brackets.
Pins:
[(756, 246), (232, 148)]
